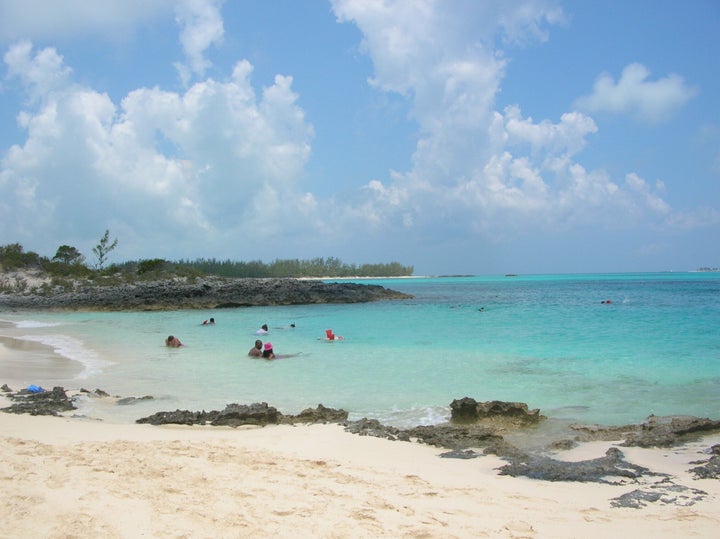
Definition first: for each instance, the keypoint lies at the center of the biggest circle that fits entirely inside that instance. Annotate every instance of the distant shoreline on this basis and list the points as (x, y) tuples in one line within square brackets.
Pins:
[(197, 293)]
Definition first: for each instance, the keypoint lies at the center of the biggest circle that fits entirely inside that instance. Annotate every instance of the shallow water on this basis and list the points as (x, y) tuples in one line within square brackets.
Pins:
[(548, 341)]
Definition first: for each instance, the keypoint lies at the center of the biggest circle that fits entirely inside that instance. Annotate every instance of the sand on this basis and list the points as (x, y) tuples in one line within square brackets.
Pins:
[(73, 477)]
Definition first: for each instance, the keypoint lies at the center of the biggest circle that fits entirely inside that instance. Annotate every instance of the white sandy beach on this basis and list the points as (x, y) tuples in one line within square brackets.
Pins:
[(79, 477), (71, 477)]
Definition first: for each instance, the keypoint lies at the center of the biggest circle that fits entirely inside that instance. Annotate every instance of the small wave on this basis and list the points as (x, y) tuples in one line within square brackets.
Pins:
[(72, 349), (28, 324), (413, 417)]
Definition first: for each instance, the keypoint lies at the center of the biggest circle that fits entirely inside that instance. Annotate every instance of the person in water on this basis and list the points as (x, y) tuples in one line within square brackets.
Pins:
[(330, 336), (173, 342), (210, 322), (256, 351), (268, 352), (263, 330)]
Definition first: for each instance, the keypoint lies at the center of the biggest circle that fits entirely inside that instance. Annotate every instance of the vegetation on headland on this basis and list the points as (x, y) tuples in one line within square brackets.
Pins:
[(69, 265)]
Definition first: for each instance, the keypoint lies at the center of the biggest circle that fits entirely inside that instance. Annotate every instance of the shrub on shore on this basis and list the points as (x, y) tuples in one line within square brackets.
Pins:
[(26, 271)]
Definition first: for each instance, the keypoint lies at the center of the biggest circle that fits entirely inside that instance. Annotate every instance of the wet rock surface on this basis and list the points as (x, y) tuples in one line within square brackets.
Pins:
[(201, 293), (656, 431)]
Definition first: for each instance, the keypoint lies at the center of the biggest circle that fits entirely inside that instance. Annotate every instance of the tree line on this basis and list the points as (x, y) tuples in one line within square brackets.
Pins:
[(70, 262)]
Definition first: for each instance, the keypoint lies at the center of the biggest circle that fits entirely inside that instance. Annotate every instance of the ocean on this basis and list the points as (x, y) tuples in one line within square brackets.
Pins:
[(594, 348)]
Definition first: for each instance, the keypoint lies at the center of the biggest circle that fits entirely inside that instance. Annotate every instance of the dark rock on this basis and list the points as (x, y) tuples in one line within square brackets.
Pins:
[(500, 414), (670, 431), (656, 431), (320, 414), (205, 293), (42, 403), (178, 417), (594, 470), (372, 427), (453, 436), (709, 469), (665, 492), (458, 454), (235, 415)]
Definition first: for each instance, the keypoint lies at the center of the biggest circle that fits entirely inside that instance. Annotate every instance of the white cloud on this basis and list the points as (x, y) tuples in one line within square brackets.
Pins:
[(208, 162), (634, 94), (42, 74), (490, 172), (201, 26)]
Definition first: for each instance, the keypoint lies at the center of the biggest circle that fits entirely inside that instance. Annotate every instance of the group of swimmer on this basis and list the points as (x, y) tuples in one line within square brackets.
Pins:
[(259, 349)]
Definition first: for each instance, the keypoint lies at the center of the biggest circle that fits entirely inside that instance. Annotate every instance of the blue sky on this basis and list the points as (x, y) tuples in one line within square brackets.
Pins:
[(456, 136)]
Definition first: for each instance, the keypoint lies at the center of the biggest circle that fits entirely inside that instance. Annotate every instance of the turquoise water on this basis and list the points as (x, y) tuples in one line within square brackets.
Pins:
[(548, 341)]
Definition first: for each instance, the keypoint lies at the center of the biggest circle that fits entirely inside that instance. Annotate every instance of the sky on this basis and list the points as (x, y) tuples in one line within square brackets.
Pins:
[(453, 136)]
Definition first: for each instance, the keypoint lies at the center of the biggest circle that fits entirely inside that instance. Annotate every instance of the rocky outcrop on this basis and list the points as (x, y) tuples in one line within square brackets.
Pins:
[(656, 431), (235, 415), (470, 439), (496, 414), (201, 293), (38, 401)]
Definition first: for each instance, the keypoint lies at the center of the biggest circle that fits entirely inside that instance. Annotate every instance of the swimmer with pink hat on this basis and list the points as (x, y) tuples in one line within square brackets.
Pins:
[(268, 352)]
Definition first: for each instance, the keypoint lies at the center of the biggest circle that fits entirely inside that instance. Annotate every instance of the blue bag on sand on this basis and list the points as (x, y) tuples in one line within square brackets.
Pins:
[(32, 388)]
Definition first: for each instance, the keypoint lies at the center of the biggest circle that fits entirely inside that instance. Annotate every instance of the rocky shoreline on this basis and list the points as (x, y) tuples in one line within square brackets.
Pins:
[(199, 293), (474, 430)]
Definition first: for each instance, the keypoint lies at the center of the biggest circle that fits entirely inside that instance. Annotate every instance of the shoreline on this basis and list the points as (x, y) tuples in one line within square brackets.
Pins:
[(78, 475)]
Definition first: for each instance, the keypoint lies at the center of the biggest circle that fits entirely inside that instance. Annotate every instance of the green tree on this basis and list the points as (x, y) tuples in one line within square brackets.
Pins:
[(103, 248), (68, 255)]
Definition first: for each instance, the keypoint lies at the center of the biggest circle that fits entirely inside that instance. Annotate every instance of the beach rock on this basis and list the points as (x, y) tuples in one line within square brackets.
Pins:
[(178, 417), (320, 414), (669, 431), (372, 427), (709, 469), (235, 415), (656, 431), (199, 293), (453, 437), (500, 414), (41, 403), (665, 492), (594, 470)]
